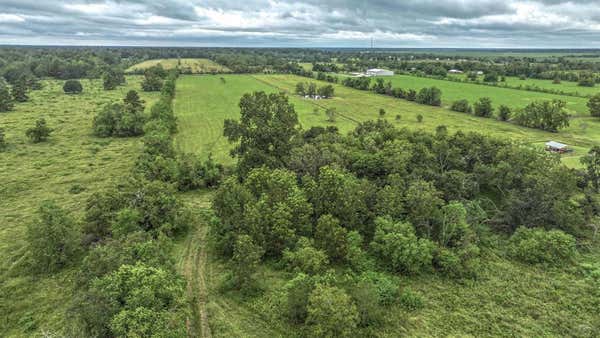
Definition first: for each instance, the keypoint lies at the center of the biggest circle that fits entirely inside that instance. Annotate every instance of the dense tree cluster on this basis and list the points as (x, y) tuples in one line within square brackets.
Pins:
[(409, 202), (153, 78), (121, 119), (546, 115)]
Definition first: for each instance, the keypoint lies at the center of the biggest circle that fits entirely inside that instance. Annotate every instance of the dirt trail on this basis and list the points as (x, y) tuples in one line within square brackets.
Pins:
[(193, 267)]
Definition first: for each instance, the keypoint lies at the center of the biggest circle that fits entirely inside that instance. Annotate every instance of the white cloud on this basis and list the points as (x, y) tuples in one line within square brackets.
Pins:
[(11, 18)]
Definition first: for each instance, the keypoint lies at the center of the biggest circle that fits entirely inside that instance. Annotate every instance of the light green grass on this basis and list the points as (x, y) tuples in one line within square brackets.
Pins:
[(513, 98), (203, 102), (31, 173), (196, 66), (567, 87)]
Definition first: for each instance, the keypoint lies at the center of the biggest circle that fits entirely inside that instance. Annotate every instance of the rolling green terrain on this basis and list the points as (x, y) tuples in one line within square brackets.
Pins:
[(203, 102), (571, 88), (67, 168), (513, 98), (507, 299), (195, 66)]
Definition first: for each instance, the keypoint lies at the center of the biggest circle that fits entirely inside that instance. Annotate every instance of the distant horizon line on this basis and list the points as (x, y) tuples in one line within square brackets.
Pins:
[(2, 45)]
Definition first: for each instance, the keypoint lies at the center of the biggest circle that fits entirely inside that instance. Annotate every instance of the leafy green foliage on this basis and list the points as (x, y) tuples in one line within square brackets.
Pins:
[(305, 258), (398, 248), (121, 120), (6, 99), (462, 106), (538, 246), (40, 132), (72, 87), (483, 107), (54, 239), (19, 90), (430, 96), (331, 312), (265, 132), (246, 257), (594, 105), (546, 115)]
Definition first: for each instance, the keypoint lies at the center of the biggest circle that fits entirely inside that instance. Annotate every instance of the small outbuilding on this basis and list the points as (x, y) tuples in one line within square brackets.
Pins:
[(557, 147), (379, 72), (455, 71)]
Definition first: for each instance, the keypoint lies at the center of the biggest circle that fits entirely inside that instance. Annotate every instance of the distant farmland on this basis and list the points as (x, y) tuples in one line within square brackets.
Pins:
[(191, 66), (513, 98), (203, 102)]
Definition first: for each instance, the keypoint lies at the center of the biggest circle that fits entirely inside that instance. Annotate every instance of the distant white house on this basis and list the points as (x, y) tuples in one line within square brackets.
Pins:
[(479, 72), (455, 71), (379, 72)]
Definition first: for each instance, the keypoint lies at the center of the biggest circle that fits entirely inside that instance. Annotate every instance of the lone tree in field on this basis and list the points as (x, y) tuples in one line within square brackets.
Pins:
[(6, 100), (265, 131), (53, 238), (112, 78), (40, 132), (381, 113), (483, 107), (72, 87), (594, 105), (19, 90)]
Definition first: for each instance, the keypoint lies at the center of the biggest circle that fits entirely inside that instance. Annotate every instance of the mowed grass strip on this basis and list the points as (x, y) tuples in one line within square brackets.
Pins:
[(72, 159), (196, 66)]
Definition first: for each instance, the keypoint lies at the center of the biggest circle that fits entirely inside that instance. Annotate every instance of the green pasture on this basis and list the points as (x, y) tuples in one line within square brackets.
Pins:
[(203, 102), (514, 98), (67, 168), (568, 87), (196, 66)]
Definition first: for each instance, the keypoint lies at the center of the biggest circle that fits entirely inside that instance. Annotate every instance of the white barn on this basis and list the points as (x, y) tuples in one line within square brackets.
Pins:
[(379, 72)]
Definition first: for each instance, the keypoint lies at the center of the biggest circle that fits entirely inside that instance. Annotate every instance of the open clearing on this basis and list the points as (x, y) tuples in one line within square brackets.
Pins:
[(513, 98), (72, 159), (190, 66), (507, 299), (203, 102), (568, 87)]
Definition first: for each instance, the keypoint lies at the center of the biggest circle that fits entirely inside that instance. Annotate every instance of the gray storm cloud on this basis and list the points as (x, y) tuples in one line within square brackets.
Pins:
[(350, 23)]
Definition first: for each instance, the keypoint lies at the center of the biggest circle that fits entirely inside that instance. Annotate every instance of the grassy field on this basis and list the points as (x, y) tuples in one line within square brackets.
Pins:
[(568, 87), (55, 170), (203, 102), (452, 91), (195, 66)]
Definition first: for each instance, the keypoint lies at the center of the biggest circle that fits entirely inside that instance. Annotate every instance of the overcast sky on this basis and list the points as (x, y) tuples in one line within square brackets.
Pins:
[(303, 23)]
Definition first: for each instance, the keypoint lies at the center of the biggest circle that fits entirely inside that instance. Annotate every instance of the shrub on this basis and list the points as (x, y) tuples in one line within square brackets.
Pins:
[(297, 292), (504, 113), (331, 312), (462, 106), (386, 288), (430, 96), (305, 258), (119, 120), (6, 100), (398, 247), (538, 246), (411, 300), (2, 140), (72, 87), (53, 238), (419, 118), (483, 107), (40, 132), (594, 105)]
